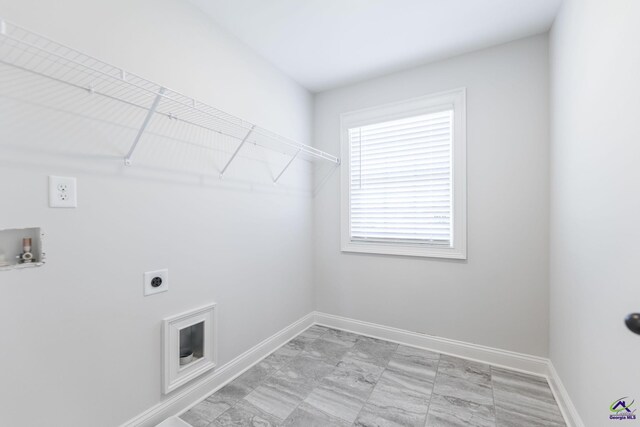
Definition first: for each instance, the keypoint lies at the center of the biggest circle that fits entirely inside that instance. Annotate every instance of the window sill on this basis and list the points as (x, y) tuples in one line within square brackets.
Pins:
[(405, 250)]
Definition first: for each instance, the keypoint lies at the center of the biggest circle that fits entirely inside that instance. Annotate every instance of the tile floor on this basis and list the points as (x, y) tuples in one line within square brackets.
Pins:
[(326, 377)]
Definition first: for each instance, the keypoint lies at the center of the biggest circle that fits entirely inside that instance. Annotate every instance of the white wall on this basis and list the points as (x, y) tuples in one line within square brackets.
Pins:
[(499, 296), (80, 344), (594, 202)]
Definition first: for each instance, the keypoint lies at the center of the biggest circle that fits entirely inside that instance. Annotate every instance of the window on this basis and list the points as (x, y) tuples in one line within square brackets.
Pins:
[(404, 178)]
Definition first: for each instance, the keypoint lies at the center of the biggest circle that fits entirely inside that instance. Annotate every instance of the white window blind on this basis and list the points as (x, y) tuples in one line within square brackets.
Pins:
[(401, 180)]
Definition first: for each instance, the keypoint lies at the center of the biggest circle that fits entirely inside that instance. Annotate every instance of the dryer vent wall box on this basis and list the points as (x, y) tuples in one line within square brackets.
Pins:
[(190, 346)]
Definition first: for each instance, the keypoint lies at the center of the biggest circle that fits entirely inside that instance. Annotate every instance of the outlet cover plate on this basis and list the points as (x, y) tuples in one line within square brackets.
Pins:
[(62, 192), (156, 281)]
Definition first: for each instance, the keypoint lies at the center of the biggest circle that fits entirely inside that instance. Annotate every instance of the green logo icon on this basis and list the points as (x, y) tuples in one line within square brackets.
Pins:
[(621, 409), (621, 405)]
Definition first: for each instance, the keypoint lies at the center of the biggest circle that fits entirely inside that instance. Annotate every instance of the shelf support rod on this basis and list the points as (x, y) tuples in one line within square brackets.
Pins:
[(145, 123), (275, 181), (235, 153)]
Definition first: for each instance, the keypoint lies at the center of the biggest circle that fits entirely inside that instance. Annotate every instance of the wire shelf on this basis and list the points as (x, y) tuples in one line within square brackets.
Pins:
[(40, 56)]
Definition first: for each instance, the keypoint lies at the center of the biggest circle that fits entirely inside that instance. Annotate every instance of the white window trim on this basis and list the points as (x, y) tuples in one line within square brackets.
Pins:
[(399, 110)]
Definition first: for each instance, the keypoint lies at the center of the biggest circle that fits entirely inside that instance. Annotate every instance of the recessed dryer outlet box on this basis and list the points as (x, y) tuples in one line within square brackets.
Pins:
[(156, 282)]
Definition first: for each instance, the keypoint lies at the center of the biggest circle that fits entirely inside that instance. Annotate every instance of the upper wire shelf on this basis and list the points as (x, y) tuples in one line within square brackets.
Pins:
[(41, 56)]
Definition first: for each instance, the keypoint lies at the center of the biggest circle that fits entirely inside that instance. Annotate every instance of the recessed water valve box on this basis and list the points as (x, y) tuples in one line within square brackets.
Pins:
[(21, 248)]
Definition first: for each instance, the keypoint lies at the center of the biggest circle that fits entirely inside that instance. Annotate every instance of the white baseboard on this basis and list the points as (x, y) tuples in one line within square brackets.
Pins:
[(569, 411), (501, 358), (192, 394), (184, 399)]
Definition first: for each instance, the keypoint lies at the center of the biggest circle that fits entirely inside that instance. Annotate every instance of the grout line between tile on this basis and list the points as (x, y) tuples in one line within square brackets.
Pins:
[(298, 354), (235, 402), (374, 386), (493, 397), (317, 409), (433, 390)]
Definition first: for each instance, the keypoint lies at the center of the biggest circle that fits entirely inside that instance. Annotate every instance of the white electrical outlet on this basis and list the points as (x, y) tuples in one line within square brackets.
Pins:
[(156, 282), (62, 192)]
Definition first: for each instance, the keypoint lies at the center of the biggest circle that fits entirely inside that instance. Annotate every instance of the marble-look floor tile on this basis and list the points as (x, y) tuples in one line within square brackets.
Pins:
[(328, 351), (364, 366), (465, 380), (343, 392), (372, 350), (510, 418), (204, 413), (282, 356), (327, 377), (300, 342), (193, 420), (466, 369), (311, 368), (307, 337), (308, 416), (344, 338), (522, 399), (241, 386), (397, 399), (463, 389), (314, 332), (395, 385), (447, 411), (415, 362), (230, 393), (243, 414), (406, 350), (378, 416), (354, 380), (336, 403), (255, 374), (281, 392)]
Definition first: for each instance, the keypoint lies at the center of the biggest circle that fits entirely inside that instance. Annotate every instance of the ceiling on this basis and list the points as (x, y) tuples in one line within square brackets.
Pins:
[(323, 44)]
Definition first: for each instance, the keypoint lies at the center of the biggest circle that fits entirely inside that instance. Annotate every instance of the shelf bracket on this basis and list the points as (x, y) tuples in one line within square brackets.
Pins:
[(275, 181), (235, 153), (145, 123)]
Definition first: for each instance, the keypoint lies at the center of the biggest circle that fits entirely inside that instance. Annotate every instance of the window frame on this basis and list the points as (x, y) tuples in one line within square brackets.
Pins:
[(398, 110)]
